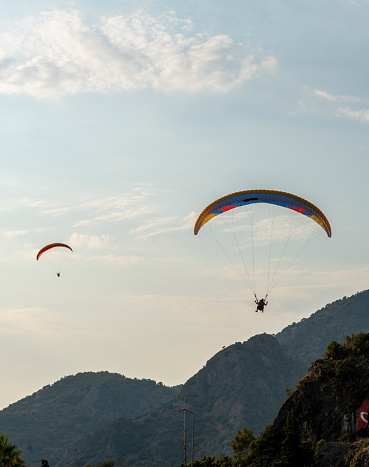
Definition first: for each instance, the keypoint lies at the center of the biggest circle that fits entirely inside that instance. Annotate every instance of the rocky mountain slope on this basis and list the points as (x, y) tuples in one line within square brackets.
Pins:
[(78, 420), (44, 423), (243, 385), (307, 339), (325, 421)]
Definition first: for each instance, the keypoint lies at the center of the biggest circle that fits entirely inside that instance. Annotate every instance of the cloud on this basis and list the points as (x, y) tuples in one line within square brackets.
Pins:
[(164, 225), (89, 241), (361, 115), (15, 233), (334, 98), (57, 54), (107, 209)]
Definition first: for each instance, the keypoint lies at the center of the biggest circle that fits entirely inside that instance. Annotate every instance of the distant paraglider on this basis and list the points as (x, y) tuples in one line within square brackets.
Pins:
[(49, 247), (255, 227)]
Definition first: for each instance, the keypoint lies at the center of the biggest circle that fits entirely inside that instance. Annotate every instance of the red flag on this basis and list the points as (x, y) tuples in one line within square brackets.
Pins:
[(363, 415)]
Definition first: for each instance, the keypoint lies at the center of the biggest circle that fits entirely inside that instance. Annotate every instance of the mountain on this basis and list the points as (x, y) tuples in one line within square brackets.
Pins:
[(75, 421), (308, 339), (46, 422), (243, 384), (324, 422)]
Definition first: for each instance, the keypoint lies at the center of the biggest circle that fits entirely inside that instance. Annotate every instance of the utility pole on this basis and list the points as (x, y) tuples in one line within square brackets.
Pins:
[(184, 409), (184, 432)]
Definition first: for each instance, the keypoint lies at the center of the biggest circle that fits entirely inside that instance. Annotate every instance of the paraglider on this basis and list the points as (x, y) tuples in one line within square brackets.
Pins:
[(275, 225), (279, 198), (260, 304), (49, 247)]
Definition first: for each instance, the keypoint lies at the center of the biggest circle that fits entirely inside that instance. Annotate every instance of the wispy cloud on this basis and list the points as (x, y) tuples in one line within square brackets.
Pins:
[(164, 225), (105, 209), (57, 53), (341, 105), (89, 241), (335, 98), (360, 115), (15, 233)]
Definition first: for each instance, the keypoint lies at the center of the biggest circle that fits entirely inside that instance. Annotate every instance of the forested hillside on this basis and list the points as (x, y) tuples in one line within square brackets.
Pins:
[(307, 339), (324, 422), (243, 384), (46, 422), (90, 417)]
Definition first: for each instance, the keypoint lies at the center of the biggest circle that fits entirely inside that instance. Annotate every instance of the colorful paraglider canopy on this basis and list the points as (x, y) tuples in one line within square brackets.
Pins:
[(279, 198), (49, 247)]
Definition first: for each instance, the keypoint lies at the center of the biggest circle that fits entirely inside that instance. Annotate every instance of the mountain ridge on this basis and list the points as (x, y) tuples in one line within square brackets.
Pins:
[(242, 385)]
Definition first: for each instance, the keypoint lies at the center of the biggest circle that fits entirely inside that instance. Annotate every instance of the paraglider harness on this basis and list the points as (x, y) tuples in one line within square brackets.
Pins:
[(260, 304)]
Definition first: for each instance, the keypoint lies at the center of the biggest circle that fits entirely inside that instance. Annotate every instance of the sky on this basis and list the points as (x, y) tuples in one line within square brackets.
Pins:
[(120, 122)]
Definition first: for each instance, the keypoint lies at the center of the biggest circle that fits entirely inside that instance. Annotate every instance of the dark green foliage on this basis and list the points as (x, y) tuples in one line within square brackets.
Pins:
[(294, 452), (103, 464), (303, 383), (318, 449), (207, 461), (346, 369), (359, 343), (334, 350), (290, 444), (350, 436), (289, 391), (10, 455), (308, 339), (50, 419), (241, 442), (264, 447)]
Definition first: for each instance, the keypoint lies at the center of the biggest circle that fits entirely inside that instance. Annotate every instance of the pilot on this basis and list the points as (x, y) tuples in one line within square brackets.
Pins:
[(260, 304)]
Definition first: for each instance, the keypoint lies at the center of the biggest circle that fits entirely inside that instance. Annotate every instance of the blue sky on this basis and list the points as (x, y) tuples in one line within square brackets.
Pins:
[(120, 122)]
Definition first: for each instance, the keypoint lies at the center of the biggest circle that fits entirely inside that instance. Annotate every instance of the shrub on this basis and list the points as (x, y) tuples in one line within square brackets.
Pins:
[(334, 350), (303, 383), (346, 369)]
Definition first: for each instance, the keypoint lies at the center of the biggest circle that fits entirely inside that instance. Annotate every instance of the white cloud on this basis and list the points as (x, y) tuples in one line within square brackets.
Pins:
[(334, 98), (58, 54), (108, 209), (164, 225), (361, 115), (15, 233), (89, 241)]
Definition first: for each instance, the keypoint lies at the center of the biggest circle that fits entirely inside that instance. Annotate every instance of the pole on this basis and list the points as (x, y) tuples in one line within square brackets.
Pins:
[(193, 436), (184, 432), (184, 409)]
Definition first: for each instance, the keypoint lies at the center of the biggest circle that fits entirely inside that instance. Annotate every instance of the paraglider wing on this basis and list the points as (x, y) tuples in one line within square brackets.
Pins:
[(279, 198), (52, 245)]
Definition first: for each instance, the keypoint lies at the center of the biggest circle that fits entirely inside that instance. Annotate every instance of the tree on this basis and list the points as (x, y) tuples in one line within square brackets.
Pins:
[(241, 441), (108, 463), (295, 453), (210, 461), (9, 453), (289, 451)]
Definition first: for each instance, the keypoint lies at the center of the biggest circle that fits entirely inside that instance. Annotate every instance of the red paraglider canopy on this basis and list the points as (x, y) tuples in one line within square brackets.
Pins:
[(52, 245)]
